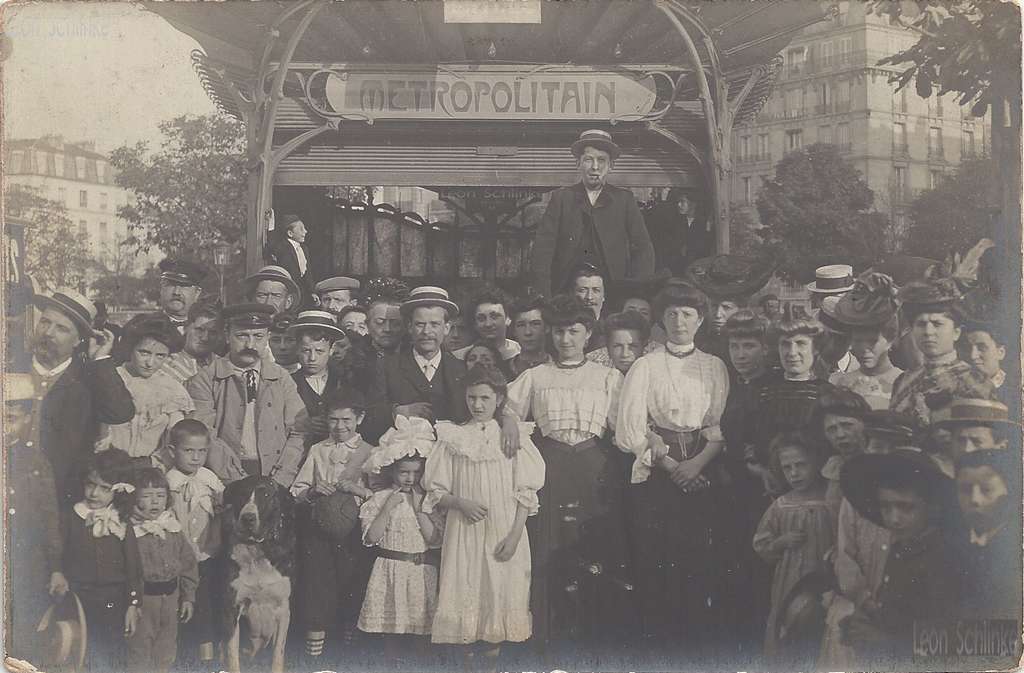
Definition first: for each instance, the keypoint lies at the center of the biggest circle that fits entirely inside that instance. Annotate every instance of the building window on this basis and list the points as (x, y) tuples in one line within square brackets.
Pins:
[(795, 59), (899, 137), (103, 200), (825, 134), (899, 101), (43, 165), (62, 195), (967, 143), (936, 106), (845, 55), (748, 190), (934, 178), (103, 233), (80, 168), (843, 136), (82, 228), (83, 198), (794, 103), (745, 148), (824, 97), (826, 54), (794, 140), (58, 164), (101, 172), (17, 161), (935, 142), (899, 183), (762, 146)]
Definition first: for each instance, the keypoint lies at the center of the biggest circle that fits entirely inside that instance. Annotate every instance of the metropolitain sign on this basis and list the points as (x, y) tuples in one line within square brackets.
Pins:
[(490, 93)]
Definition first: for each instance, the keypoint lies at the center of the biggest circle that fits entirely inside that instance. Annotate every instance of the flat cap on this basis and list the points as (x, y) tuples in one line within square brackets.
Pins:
[(181, 272), (337, 283), (248, 315)]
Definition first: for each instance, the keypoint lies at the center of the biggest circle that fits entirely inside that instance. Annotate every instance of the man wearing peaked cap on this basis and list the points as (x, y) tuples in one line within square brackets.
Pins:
[(256, 418), (336, 293), (592, 222), (272, 285), (77, 394), (283, 346), (180, 287)]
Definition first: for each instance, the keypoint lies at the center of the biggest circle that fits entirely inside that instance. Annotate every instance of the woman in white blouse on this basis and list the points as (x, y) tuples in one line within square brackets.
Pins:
[(680, 393), (582, 599)]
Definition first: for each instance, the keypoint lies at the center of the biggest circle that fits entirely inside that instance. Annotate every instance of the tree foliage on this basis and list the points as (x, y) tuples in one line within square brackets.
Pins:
[(191, 194), (123, 290), (818, 210), (954, 215), (967, 47), (56, 252)]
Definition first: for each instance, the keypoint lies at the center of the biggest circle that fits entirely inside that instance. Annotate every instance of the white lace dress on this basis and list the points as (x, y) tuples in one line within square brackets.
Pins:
[(481, 598), (401, 596)]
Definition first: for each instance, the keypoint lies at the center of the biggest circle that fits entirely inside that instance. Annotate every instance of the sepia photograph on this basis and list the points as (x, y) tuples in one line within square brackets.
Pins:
[(482, 336)]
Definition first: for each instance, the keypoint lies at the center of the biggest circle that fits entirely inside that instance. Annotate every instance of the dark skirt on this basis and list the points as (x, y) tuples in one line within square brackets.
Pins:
[(582, 595)]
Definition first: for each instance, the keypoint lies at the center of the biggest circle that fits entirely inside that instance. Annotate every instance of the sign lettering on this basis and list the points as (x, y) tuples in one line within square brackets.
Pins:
[(491, 95)]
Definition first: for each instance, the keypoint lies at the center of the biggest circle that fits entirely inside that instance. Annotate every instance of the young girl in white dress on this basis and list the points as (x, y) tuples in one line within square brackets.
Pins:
[(401, 594), (485, 559)]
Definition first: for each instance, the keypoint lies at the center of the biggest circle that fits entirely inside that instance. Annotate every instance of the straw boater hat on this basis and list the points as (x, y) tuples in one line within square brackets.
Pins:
[(63, 633), (832, 279), (429, 295), (728, 276), (76, 307), (602, 140), (317, 319), (976, 412), (862, 474), (275, 273)]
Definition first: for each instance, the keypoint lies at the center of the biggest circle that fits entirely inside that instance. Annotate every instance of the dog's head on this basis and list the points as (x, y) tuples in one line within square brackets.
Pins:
[(257, 508)]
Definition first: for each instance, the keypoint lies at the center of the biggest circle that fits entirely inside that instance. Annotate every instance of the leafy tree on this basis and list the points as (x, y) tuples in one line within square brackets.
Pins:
[(191, 194), (56, 253), (954, 215), (123, 290), (818, 210), (744, 231)]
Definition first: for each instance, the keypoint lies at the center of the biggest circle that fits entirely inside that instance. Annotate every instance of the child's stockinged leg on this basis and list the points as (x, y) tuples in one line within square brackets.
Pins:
[(315, 643)]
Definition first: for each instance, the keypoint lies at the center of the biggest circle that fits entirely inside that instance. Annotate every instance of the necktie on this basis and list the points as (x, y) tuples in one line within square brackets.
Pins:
[(428, 371), (250, 385)]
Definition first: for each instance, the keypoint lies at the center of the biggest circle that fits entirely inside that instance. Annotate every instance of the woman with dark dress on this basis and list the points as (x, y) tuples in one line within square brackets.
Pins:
[(676, 494), (581, 596)]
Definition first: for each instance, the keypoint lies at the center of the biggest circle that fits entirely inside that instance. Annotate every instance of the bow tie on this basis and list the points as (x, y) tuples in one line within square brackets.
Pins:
[(160, 526), (103, 522), (196, 490)]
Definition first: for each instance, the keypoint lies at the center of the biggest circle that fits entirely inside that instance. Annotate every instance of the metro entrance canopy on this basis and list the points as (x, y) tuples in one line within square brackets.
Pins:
[(407, 92)]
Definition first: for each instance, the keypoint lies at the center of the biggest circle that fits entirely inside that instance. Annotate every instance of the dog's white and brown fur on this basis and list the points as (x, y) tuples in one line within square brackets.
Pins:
[(258, 560)]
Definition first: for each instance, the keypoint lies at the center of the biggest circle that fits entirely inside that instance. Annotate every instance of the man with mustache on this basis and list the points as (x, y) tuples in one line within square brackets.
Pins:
[(256, 417), (180, 287), (74, 377), (591, 222)]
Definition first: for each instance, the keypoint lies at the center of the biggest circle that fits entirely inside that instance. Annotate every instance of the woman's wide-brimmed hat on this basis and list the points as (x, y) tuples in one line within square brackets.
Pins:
[(871, 303), (930, 296), (323, 320), (602, 140), (428, 295), (76, 307), (63, 633), (728, 276), (862, 475)]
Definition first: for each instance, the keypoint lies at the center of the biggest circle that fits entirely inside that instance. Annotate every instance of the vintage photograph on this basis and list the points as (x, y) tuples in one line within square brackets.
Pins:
[(487, 336)]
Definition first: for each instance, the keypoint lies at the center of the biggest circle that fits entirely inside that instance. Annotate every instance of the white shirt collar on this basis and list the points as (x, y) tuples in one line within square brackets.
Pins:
[(593, 195), (50, 373), (983, 539), (422, 362), (679, 348)]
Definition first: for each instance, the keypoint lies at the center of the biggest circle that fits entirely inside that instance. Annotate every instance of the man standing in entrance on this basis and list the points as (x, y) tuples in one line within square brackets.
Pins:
[(591, 222)]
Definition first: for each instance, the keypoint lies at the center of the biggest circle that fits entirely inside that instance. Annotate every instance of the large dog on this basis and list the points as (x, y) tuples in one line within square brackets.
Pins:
[(258, 558)]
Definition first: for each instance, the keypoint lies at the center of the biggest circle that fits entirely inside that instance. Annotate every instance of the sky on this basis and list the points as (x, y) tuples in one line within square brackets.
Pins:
[(103, 71)]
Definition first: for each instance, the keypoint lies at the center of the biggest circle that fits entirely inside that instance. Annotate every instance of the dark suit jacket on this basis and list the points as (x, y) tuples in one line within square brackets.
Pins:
[(620, 230), (282, 253), (314, 403), (85, 395), (399, 380)]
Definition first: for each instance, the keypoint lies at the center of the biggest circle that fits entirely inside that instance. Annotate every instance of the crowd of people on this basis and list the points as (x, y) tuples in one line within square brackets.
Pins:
[(629, 471)]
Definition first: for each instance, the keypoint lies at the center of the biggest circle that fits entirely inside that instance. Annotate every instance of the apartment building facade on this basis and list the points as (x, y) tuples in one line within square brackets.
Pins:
[(831, 90), (76, 175)]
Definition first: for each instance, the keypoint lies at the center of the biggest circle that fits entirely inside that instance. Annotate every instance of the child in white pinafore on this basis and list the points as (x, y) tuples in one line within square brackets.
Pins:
[(402, 592), (485, 558)]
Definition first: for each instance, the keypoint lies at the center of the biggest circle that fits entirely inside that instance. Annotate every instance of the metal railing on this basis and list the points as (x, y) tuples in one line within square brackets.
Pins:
[(753, 158), (837, 61)]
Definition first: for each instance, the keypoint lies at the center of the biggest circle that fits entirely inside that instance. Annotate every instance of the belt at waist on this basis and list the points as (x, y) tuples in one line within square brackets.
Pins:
[(160, 588), (571, 448), (429, 557), (681, 445)]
